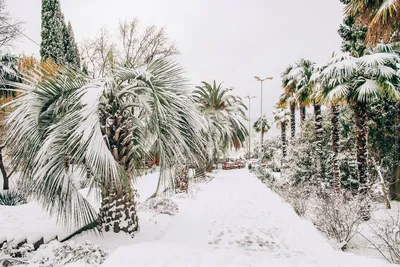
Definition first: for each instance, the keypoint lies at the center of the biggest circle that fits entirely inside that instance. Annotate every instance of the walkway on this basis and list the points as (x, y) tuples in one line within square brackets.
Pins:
[(238, 221)]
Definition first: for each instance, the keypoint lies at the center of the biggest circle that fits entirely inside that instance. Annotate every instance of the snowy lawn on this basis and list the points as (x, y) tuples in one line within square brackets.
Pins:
[(31, 222)]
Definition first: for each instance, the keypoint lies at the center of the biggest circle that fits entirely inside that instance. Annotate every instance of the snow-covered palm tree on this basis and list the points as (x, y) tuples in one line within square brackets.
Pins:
[(281, 118), (264, 123), (107, 126), (304, 92), (357, 81), (224, 114), (381, 16), (289, 84)]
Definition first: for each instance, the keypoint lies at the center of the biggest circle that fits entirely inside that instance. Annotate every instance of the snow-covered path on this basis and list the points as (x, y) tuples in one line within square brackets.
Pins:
[(237, 221)]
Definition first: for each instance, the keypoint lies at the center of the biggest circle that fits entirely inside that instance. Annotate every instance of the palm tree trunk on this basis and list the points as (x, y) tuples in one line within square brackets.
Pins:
[(302, 114), (395, 184), (360, 114), (118, 211), (283, 139), (335, 146), (181, 179), (6, 185), (292, 120), (319, 132)]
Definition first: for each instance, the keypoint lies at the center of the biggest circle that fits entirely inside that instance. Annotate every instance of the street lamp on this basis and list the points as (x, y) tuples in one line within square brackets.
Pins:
[(262, 121), (249, 98)]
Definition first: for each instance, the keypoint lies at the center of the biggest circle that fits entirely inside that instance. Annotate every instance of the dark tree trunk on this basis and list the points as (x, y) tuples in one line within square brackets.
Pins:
[(118, 206), (319, 135), (335, 146), (118, 211), (361, 129), (6, 185), (302, 115), (283, 139), (395, 184), (181, 179), (292, 120)]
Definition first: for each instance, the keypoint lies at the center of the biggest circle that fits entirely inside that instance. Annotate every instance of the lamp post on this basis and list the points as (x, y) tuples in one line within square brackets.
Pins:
[(249, 98), (262, 121)]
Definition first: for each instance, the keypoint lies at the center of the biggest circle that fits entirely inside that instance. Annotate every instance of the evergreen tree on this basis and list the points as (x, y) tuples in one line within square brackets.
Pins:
[(52, 45), (71, 47), (353, 35)]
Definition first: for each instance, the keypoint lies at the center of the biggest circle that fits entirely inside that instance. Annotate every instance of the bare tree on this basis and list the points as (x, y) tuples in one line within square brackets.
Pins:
[(9, 30), (133, 48), (99, 53)]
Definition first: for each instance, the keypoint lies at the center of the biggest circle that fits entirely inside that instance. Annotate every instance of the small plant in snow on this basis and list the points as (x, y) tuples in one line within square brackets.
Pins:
[(338, 215), (297, 197), (11, 250), (11, 198), (56, 254), (161, 205)]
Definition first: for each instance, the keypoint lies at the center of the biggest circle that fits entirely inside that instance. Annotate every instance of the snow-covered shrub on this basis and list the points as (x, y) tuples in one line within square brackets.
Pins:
[(161, 205), (338, 215), (11, 198), (273, 153), (56, 254), (297, 197), (11, 249), (263, 174), (386, 236)]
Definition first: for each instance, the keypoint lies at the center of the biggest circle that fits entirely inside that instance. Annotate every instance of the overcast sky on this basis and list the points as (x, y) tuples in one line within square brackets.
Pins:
[(226, 40)]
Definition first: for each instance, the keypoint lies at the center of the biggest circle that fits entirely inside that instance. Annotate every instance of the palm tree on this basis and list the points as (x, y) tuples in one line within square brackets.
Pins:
[(224, 114), (381, 16), (282, 117), (264, 123), (289, 84), (107, 125), (357, 81), (304, 91)]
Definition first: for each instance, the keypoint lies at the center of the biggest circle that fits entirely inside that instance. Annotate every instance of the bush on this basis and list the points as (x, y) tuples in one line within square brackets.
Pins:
[(263, 174), (386, 236), (298, 198), (56, 254), (11, 198), (12, 250), (338, 215)]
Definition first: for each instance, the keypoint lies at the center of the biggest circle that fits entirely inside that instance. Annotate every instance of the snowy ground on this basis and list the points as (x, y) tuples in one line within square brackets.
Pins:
[(237, 221), (234, 220)]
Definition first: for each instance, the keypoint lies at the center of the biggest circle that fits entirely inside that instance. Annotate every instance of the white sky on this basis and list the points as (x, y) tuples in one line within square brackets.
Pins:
[(226, 40)]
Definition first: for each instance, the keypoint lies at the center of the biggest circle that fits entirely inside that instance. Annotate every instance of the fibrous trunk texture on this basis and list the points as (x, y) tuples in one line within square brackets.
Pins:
[(182, 179), (118, 211), (361, 119), (302, 115), (319, 132), (335, 146), (292, 120), (395, 184), (118, 206), (283, 139)]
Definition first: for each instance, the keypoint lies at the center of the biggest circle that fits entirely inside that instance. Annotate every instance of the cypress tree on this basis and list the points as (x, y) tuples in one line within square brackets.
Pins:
[(71, 47), (52, 45)]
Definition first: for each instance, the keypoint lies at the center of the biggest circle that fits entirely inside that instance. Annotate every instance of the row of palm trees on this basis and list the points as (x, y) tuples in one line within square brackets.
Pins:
[(68, 126), (344, 80)]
